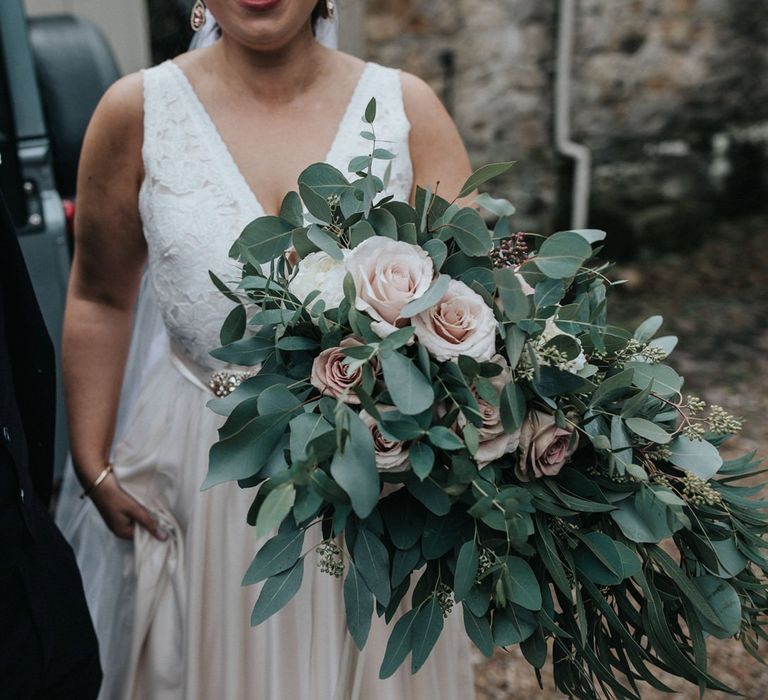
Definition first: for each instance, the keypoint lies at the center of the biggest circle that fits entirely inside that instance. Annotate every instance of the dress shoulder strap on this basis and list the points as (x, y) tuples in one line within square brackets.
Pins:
[(385, 84), (169, 129), (392, 126)]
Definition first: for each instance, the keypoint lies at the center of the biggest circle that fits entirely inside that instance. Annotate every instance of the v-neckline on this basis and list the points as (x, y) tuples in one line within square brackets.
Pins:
[(229, 159)]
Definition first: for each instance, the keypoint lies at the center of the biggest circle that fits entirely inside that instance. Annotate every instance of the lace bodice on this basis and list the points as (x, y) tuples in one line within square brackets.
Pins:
[(194, 200)]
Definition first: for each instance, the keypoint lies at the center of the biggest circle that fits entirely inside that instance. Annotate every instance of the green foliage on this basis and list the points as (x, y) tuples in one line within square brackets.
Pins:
[(541, 481)]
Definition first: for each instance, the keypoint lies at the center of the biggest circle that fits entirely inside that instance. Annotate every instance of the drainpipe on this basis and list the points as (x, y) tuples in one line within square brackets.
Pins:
[(578, 152)]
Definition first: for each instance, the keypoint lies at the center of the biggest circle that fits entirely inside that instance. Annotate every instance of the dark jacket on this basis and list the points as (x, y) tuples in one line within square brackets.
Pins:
[(47, 643)]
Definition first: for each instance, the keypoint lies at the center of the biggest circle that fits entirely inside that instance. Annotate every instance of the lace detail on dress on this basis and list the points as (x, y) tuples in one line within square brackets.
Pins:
[(391, 126), (194, 201)]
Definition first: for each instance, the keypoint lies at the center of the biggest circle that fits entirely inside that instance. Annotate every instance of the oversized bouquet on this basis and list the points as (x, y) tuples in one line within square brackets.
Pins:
[(459, 408)]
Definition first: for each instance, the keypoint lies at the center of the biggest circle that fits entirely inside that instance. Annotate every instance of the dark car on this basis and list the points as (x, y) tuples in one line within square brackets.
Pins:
[(53, 71)]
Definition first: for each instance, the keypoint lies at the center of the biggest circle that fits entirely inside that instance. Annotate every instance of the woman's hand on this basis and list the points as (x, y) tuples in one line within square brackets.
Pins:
[(121, 511), (110, 254)]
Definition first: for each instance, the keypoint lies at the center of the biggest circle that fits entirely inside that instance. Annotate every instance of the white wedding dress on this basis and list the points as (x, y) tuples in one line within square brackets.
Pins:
[(172, 617)]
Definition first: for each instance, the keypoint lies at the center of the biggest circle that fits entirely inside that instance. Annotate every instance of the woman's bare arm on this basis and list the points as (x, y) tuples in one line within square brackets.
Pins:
[(437, 151), (110, 254)]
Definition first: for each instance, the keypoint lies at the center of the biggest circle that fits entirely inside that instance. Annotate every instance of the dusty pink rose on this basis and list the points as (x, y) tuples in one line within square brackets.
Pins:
[(544, 447), (494, 441), (461, 323), (388, 275), (291, 257), (391, 455), (332, 377)]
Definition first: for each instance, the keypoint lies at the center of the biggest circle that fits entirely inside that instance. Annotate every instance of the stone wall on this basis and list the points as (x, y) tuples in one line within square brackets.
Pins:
[(671, 96)]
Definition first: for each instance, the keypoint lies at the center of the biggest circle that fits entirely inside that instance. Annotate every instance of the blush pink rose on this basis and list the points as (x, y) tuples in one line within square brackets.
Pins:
[(388, 275), (494, 441), (333, 377), (461, 323), (544, 447), (391, 455)]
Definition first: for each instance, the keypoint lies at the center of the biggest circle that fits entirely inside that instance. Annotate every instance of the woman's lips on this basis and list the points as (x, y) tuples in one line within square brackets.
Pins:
[(258, 4)]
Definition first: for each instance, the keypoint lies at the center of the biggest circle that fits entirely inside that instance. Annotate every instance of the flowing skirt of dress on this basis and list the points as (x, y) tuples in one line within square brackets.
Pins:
[(181, 601)]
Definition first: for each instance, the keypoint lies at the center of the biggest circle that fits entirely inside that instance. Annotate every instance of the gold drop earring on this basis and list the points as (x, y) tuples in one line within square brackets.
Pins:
[(197, 19)]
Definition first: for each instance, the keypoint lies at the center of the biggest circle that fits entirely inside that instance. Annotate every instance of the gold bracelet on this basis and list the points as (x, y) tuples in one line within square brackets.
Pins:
[(99, 479)]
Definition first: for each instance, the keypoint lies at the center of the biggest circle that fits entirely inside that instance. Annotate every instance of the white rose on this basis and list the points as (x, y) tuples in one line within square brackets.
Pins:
[(319, 271), (388, 275), (461, 323), (527, 289), (551, 330), (494, 441)]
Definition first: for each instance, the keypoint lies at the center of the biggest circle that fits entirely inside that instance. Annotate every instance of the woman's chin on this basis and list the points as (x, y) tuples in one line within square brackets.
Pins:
[(264, 25)]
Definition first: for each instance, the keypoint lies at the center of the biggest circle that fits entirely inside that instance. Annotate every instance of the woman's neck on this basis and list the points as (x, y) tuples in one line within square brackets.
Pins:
[(276, 76)]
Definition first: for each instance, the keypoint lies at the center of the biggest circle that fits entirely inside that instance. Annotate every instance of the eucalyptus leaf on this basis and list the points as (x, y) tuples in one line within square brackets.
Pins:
[(666, 382), (640, 523), (325, 241), (431, 495), (354, 468), (512, 625), (562, 255), (482, 175), (427, 300), (277, 592), (305, 429), (247, 352), (422, 459), (524, 588), (234, 326), (317, 183), (648, 430), (411, 392), (466, 570), (372, 560), (276, 555), (370, 111), (470, 232), (384, 223), (437, 250), (427, 626), (499, 207), (648, 328), (479, 631), (244, 454), (515, 302), (399, 644), (590, 235), (267, 238), (275, 508), (358, 603), (699, 457), (291, 210), (724, 601), (444, 438), (513, 406)]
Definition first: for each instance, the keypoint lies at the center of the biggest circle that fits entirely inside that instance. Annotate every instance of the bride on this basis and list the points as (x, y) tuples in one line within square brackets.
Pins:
[(177, 160)]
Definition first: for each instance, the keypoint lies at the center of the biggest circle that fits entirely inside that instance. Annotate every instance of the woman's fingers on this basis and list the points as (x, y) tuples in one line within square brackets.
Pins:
[(122, 512), (146, 520), (119, 522)]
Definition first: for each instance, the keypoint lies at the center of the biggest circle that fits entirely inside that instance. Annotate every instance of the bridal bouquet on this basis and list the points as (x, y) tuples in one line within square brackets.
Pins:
[(457, 415)]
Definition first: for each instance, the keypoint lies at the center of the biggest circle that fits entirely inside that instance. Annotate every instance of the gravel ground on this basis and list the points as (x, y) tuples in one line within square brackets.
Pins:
[(715, 300)]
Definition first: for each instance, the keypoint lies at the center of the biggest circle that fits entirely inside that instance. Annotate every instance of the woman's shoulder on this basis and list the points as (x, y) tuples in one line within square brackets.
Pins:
[(124, 99), (421, 102), (119, 116), (419, 99)]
